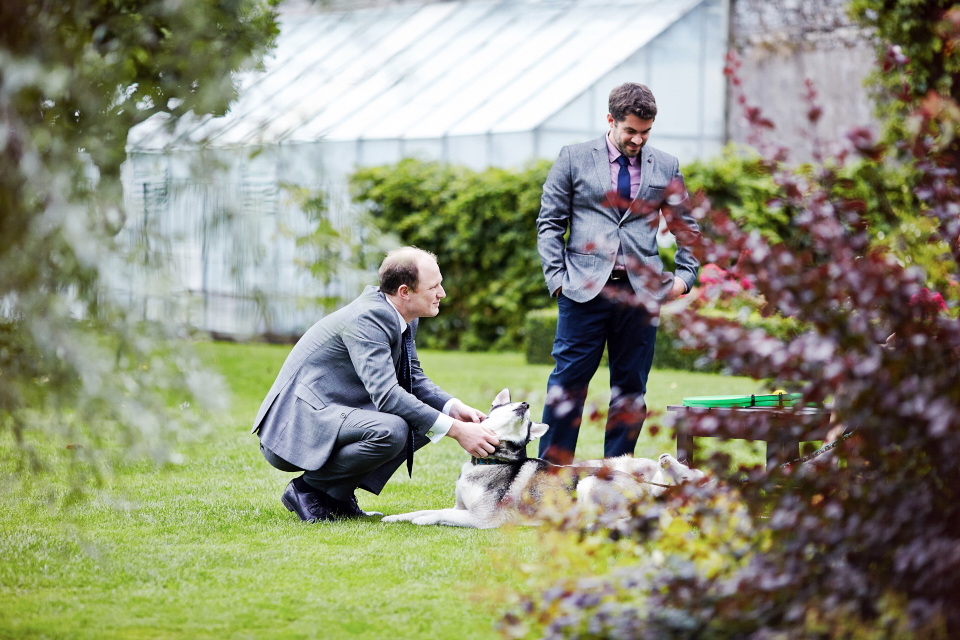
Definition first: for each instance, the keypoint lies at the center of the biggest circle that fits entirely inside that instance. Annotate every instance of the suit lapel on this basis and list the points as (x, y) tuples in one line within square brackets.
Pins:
[(646, 168), (602, 161), (395, 343), (601, 158)]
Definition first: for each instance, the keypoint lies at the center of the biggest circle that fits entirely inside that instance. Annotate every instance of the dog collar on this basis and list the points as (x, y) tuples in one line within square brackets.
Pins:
[(489, 460), (515, 452)]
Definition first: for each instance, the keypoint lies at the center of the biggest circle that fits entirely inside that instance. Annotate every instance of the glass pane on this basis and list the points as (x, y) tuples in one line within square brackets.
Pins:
[(414, 71), (479, 75)]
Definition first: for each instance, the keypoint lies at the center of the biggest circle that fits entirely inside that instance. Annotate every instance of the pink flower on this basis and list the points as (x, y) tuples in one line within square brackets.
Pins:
[(746, 284), (928, 302), (712, 274)]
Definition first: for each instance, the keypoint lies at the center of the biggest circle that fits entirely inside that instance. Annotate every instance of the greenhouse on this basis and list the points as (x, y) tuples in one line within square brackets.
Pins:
[(477, 82)]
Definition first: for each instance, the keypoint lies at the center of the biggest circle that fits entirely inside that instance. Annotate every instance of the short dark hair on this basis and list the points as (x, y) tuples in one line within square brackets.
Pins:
[(402, 266), (634, 98)]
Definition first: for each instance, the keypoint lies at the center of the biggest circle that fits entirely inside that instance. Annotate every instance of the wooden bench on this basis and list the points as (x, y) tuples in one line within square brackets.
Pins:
[(783, 443)]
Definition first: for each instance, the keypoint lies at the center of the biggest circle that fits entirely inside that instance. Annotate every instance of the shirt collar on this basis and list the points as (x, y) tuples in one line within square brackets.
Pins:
[(403, 323), (613, 153)]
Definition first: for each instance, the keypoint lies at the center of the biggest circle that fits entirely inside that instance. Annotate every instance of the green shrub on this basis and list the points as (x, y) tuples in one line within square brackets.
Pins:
[(740, 182), (540, 329), (669, 353), (483, 228), (666, 255)]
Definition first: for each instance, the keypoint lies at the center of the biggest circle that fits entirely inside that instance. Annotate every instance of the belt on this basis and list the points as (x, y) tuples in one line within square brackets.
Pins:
[(618, 274)]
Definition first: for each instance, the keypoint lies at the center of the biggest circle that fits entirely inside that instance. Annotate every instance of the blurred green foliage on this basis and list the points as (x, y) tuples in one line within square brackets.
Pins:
[(918, 56), (329, 251), (483, 228), (740, 182), (78, 371), (541, 327)]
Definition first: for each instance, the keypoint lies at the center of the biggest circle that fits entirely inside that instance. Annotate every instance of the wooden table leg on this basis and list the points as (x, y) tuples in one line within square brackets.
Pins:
[(779, 452), (686, 449)]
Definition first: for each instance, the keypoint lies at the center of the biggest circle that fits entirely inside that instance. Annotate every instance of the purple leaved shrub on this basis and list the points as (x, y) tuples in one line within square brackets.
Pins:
[(862, 542)]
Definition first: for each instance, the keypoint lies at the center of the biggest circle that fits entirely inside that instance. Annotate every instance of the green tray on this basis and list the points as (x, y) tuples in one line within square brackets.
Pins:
[(768, 400)]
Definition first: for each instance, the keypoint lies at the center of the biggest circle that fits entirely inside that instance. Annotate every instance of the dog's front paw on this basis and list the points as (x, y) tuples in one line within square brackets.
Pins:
[(426, 520), (394, 518)]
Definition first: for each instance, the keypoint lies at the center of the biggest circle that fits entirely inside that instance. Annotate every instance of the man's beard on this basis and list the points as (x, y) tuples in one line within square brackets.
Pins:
[(622, 148)]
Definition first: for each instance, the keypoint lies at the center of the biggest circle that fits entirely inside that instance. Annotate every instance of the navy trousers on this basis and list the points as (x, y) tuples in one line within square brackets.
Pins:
[(582, 331)]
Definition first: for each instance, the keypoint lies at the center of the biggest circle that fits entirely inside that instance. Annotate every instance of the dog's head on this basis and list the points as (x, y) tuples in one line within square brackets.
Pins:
[(511, 422), (679, 472)]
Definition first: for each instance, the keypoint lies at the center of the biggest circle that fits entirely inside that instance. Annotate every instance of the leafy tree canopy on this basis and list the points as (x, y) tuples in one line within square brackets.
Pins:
[(75, 76)]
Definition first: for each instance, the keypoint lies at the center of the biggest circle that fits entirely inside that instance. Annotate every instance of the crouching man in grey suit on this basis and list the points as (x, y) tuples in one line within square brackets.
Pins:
[(351, 402)]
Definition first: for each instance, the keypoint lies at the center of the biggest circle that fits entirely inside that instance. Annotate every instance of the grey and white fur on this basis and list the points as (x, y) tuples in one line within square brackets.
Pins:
[(510, 488)]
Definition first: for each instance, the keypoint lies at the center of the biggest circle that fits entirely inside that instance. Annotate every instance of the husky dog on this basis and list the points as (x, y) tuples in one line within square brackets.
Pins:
[(508, 487)]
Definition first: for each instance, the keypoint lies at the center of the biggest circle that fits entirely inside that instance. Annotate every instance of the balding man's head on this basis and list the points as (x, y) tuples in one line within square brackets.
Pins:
[(402, 266)]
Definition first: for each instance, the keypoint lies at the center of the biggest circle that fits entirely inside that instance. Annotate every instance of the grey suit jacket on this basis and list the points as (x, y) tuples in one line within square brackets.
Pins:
[(572, 198), (348, 360)]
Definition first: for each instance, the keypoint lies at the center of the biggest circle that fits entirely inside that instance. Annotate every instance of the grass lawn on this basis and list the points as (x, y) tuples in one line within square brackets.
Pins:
[(205, 549)]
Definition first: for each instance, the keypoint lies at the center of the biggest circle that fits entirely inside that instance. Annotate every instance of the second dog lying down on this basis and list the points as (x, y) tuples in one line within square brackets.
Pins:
[(508, 487)]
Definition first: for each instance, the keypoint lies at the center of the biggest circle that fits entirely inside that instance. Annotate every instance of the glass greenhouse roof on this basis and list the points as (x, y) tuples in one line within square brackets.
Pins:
[(425, 71)]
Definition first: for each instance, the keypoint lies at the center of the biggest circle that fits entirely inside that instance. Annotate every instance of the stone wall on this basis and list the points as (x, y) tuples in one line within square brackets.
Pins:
[(781, 43)]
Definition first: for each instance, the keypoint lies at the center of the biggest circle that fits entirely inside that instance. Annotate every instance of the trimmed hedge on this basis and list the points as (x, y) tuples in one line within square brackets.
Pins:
[(482, 226), (541, 328)]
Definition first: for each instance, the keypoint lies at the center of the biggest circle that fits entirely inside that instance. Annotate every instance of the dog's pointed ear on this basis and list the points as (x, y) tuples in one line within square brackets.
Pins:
[(537, 429), (502, 398)]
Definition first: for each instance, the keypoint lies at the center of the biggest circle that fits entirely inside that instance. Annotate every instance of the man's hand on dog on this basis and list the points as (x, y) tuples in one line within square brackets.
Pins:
[(460, 411), (475, 439)]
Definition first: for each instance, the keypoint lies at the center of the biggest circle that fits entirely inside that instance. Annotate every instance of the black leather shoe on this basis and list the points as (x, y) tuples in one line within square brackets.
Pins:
[(350, 508), (310, 506)]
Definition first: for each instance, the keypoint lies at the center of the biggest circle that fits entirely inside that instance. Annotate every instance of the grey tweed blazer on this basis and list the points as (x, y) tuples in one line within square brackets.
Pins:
[(572, 198), (346, 361)]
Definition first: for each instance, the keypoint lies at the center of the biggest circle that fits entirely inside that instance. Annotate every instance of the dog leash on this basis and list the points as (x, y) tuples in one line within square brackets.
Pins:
[(657, 484), (819, 452), (491, 460), (807, 458)]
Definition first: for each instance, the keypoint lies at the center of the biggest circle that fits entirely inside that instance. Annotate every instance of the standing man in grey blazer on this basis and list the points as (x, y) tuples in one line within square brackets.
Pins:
[(351, 402), (607, 267)]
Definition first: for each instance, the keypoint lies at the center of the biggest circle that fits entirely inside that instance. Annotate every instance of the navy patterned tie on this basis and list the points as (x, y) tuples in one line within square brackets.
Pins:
[(405, 378), (623, 180)]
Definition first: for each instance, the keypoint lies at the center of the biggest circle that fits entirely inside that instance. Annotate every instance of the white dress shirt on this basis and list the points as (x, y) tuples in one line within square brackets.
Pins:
[(444, 421)]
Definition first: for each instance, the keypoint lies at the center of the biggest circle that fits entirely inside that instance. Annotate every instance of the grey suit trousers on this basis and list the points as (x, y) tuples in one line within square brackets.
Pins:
[(369, 448)]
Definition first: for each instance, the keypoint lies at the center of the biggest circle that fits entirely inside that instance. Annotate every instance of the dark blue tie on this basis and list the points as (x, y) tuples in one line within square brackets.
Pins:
[(623, 180), (405, 378)]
